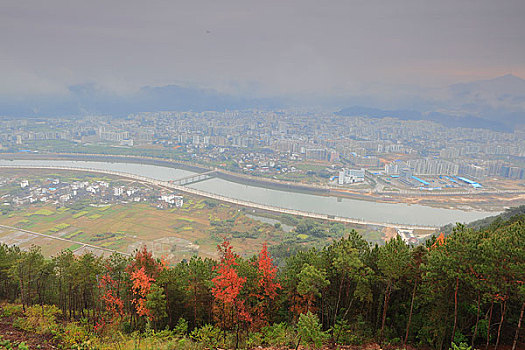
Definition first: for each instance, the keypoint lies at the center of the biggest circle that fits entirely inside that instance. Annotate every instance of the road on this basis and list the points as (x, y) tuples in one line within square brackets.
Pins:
[(64, 240)]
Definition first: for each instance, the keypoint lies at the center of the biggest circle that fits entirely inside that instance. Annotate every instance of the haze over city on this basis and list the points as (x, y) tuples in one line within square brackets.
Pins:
[(238, 174), (379, 49)]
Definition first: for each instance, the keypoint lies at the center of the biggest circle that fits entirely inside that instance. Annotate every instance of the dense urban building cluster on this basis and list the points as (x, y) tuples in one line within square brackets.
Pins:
[(272, 142), (20, 192)]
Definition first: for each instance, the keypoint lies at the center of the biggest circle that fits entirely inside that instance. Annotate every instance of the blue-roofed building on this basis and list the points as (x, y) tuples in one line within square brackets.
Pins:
[(470, 182), (422, 181)]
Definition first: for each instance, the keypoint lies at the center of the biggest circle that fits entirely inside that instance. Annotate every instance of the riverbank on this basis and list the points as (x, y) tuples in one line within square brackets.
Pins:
[(243, 203), (359, 209), (465, 201), (220, 173)]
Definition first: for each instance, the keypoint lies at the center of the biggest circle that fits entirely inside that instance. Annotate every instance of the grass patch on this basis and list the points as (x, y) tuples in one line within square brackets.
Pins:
[(373, 235), (104, 208), (73, 234), (94, 216), (41, 212), (74, 247), (79, 214), (59, 227), (46, 219), (302, 236), (185, 219)]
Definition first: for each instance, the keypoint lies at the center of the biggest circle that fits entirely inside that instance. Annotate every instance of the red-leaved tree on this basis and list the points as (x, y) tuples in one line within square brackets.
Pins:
[(143, 272), (227, 285), (144, 259), (112, 303), (109, 296), (266, 287), (141, 285)]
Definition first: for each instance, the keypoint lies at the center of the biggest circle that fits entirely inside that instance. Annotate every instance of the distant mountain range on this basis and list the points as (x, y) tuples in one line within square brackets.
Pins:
[(90, 99), (441, 118), (497, 104)]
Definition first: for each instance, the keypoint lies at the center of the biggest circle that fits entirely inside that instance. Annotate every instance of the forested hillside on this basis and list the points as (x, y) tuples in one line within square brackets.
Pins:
[(513, 213), (465, 288)]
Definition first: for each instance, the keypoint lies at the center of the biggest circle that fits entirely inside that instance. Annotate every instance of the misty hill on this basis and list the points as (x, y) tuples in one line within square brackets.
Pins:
[(467, 121), (497, 104), (500, 99), (507, 92), (90, 99)]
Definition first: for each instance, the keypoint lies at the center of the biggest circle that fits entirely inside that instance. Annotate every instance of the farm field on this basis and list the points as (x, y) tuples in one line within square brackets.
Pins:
[(174, 233)]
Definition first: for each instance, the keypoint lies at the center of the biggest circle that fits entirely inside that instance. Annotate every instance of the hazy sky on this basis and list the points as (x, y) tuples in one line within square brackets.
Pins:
[(264, 46)]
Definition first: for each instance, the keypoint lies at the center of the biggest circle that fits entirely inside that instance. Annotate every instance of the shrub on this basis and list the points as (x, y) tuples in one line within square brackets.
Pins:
[(207, 335), (5, 343), (9, 310), (277, 334), (125, 326), (461, 346), (459, 338), (395, 341), (181, 328), (254, 339), (39, 319), (309, 330), (73, 335), (483, 329), (8, 345), (343, 334)]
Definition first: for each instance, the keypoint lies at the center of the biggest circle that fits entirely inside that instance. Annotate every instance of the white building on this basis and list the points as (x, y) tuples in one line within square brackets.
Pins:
[(92, 189), (117, 191), (178, 201), (350, 176), (24, 184)]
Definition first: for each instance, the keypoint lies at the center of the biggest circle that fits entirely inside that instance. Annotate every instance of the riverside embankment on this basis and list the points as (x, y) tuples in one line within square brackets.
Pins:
[(321, 206), (185, 189)]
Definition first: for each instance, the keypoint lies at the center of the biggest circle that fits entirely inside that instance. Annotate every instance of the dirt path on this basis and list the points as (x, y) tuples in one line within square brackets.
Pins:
[(389, 233), (16, 336)]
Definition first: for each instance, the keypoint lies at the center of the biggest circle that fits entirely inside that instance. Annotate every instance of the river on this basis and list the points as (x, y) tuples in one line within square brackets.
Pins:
[(390, 213)]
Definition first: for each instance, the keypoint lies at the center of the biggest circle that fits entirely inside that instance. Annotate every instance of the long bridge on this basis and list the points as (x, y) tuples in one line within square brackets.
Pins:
[(173, 186), (193, 178)]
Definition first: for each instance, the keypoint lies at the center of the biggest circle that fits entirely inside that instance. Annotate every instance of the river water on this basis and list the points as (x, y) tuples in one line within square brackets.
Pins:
[(392, 213)]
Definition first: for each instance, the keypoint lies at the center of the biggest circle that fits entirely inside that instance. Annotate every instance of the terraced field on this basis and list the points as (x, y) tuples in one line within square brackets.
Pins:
[(175, 233)]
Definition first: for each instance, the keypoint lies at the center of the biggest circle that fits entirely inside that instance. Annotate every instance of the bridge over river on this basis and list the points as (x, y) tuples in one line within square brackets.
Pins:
[(174, 185), (193, 178)]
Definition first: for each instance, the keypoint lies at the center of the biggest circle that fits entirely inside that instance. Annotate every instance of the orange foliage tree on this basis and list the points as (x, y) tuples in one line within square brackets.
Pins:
[(143, 272), (112, 303), (141, 285), (266, 287), (227, 285)]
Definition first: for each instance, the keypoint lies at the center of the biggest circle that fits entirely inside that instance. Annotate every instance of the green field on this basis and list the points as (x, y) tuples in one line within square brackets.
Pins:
[(175, 233), (127, 227)]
